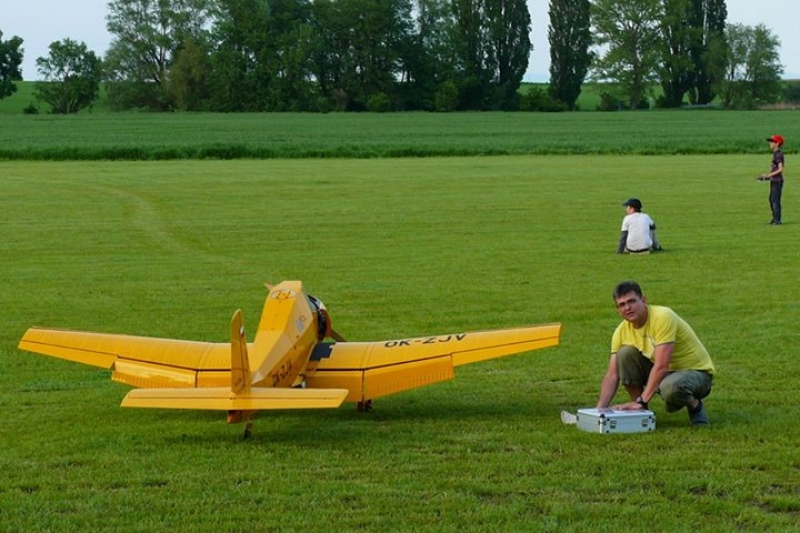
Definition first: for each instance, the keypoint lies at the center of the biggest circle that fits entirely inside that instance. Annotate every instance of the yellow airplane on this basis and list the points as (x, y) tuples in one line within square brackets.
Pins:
[(287, 366)]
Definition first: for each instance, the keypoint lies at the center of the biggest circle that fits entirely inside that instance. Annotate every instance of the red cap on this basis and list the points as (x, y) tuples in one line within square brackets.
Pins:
[(776, 139)]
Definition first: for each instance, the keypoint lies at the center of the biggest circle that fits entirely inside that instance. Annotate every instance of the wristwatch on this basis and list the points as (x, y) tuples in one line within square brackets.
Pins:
[(641, 402)]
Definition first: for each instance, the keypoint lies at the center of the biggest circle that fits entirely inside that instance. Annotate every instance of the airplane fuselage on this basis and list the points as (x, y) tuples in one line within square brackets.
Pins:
[(287, 332)]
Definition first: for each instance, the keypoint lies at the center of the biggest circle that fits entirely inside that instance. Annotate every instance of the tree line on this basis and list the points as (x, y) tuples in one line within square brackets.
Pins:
[(392, 55), (685, 47)]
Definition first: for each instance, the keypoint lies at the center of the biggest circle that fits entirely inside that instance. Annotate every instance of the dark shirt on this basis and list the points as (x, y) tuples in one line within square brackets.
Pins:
[(777, 159)]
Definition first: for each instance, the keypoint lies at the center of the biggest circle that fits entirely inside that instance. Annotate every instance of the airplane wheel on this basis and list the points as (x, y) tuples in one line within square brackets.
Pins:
[(365, 406), (248, 431)]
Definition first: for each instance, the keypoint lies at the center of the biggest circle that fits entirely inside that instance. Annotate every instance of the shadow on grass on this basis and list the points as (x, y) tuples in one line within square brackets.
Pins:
[(388, 419)]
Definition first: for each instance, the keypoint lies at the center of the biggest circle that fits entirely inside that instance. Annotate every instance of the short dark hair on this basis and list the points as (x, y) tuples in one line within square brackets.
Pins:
[(635, 203), (626, 287)]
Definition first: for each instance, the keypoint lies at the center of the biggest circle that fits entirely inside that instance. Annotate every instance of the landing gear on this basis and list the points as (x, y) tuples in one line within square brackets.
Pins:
[(364, 407), (248, 430)]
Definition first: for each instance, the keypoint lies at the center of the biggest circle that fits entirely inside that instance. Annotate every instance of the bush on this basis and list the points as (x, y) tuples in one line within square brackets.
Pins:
[(324, 105), (538, 99), (340, 99), (791, 93), (379, 103), (609, 102), (446, 98)]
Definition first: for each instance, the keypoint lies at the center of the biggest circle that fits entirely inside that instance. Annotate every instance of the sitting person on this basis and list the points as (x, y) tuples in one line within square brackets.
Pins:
[(638, 230)]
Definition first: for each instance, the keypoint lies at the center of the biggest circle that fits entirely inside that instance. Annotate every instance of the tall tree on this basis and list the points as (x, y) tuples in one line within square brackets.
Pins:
[(358, 48), (570, 38), (492, 40), (428, 58), (678, 35), (10, 59), (71, 77), (241, 64), (753, 68), (146, 36), (628, 32), (509, 28), (189, 77), (472, 52), (261, 62), (290, 23), (709, 49)]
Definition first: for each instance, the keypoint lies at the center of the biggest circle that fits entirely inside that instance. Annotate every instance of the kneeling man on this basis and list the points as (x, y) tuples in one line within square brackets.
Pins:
[(654, 351)]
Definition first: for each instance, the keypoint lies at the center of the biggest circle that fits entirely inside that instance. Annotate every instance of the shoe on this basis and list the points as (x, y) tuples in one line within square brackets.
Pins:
[(698, 417), (568, 418), (658, 249)]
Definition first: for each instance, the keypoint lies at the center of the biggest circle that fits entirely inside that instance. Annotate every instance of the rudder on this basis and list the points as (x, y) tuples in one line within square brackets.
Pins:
[(240, 361)]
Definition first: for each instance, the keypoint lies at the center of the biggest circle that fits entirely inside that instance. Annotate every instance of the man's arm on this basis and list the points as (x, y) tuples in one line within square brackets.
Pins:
[(623, 239), (610, 384), (663, 356)]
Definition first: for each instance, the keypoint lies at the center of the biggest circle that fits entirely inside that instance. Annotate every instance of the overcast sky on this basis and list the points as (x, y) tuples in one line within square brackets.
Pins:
[(40, 22)]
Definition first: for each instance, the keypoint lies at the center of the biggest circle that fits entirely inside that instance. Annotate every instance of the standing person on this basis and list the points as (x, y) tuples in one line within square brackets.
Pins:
[(638, 230), (654, 351), (775, 178)]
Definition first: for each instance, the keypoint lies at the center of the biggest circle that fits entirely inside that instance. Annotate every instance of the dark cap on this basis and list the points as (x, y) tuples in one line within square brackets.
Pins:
[(776, 139), (632, 202)]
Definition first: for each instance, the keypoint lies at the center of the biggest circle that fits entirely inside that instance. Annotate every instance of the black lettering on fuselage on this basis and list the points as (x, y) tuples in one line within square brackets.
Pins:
[(281, 373), (426, 340)]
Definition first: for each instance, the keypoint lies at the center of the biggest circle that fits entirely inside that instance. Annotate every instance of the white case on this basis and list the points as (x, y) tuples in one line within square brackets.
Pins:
[(611, 421)]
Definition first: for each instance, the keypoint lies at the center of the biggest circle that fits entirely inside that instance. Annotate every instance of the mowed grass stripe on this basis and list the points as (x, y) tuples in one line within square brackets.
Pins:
[(395, 248)]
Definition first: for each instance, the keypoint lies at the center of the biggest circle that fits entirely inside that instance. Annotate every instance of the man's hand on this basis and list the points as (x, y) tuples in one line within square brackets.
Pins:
[(630, 406)]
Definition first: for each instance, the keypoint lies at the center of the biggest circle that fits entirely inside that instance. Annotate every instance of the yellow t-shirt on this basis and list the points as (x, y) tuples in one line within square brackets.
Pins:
[(664, 325)]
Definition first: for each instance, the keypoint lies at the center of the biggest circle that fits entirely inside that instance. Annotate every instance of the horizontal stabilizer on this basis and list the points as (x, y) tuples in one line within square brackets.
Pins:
[(221, 399)]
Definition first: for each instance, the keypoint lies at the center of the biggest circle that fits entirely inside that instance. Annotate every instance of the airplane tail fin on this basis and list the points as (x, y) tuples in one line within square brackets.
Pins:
[(240, 362)]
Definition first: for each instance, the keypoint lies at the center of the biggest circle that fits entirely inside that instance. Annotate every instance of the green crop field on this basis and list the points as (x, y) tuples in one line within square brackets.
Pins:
[(396, 248), (144, 136), (101, 135)]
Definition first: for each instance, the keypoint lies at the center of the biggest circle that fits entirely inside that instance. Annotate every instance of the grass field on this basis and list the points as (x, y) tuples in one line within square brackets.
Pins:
[(399, 247)]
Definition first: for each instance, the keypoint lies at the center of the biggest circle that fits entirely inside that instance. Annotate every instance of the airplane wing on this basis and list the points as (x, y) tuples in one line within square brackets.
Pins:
[(366, 369), (138, 361), (373, 369)]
